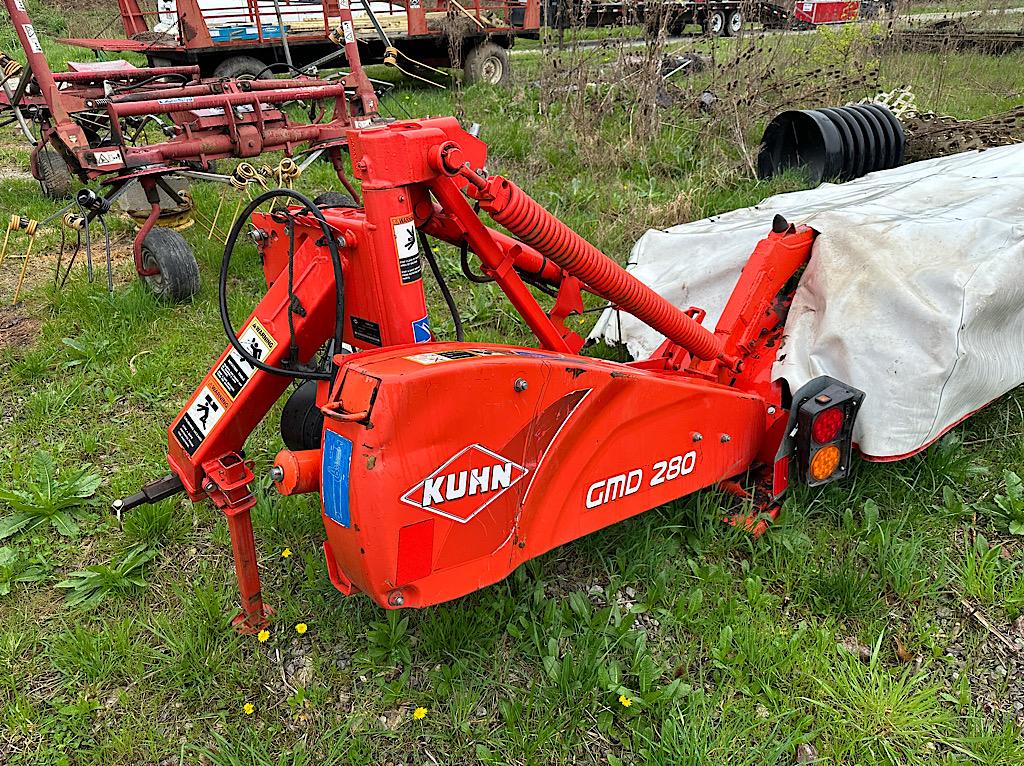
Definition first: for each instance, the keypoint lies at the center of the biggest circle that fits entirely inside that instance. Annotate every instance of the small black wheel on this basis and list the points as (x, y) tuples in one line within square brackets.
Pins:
[(302, 423), (54, 174), (167, 250), (735, 24), (715, 24), (334, 199), (242, 68), (487, 63)]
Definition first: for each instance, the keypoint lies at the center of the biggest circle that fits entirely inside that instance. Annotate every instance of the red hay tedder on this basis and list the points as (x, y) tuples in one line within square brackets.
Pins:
[(90, 120)]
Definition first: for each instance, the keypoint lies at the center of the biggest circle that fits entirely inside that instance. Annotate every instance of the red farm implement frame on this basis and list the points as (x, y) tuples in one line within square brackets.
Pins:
[(443, 466), (83, 120), (236, 37)]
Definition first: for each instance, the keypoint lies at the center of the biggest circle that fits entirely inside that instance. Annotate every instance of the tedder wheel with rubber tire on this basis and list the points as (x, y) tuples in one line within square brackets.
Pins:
[(242, 68), (735, 24), (54, 175), (487, 63), (167, 250), (715, 24), (334, 199)]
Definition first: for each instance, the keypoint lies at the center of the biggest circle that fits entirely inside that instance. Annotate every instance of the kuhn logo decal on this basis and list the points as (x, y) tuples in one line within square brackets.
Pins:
[(465, 484)]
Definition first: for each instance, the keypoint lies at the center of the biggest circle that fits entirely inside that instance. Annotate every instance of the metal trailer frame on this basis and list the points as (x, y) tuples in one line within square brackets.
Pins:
[(717, 17), (410, 28)]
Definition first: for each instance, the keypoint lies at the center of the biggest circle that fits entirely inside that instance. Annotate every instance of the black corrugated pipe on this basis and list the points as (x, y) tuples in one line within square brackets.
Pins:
[(840, 143)]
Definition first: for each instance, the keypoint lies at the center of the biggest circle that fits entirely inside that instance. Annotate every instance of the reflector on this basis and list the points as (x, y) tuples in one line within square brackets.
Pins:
[(826, 426)]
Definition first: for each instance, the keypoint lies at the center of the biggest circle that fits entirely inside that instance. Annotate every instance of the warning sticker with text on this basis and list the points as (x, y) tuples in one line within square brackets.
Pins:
[(439, 357), (235, 371), (408, 249), (199, 419), (33, 39)]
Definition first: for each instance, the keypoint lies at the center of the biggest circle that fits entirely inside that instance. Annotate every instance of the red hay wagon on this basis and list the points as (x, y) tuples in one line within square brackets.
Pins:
[(254, 38)]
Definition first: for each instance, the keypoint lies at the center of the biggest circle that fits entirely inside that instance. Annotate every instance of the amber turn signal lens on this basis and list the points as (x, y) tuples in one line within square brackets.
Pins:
[(825, 462)]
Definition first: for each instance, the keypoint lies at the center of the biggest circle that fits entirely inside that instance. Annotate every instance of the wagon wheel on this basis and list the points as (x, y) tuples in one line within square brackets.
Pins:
[(715, 24), (735, 24), (487, 63), (242, 68)]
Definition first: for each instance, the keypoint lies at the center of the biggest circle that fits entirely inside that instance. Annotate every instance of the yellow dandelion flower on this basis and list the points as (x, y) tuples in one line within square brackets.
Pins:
[(301, 628), (248, 708), (625, 701), (286, 553), (419, 713), (263, 635)]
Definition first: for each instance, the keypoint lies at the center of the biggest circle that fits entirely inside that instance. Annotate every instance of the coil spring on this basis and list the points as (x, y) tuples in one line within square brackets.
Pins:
[(9, 66), (264, 175), (23, 223), (74, 221), (524, 217)]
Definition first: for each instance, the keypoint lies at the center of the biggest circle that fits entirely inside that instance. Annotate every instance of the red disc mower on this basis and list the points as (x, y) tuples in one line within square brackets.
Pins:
[(441, 467)]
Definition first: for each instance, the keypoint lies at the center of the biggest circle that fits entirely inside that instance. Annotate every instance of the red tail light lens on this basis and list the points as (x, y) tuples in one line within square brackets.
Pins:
[(827, 425)]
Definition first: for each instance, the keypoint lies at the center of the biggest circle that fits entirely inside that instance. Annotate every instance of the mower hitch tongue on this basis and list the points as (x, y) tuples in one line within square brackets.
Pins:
[(442, 467)]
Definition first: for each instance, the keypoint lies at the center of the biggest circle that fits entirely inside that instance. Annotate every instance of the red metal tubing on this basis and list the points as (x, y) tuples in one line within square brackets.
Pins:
[(219, 144), (125, 74), (223, 100), (523, 216)]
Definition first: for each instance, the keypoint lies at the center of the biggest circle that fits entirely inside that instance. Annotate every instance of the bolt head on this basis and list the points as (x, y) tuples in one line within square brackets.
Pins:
[(772, 410), (210, 486), (396, 598), (276, 473), (520, 385), (697, 436), (726, 438)]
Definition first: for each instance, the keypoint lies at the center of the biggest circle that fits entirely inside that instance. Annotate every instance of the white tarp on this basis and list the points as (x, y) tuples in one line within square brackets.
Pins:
[(914, 292)]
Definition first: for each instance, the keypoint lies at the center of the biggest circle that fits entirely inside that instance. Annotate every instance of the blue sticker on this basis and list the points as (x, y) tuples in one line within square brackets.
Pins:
[(337, 467), (421, 330)]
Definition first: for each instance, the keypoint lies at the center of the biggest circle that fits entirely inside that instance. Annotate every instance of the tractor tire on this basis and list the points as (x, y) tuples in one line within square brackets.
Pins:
[(242, 68), (334, 199), (54, 174), (715, 24), (734, 25), (167, 250), (487, 63), (302, 422)]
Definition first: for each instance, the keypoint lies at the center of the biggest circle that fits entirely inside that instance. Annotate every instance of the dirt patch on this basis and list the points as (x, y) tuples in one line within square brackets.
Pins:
[(17, 326)]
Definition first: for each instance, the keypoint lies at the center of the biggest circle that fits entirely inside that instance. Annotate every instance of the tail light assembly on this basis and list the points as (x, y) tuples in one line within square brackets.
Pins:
[(824, 432)]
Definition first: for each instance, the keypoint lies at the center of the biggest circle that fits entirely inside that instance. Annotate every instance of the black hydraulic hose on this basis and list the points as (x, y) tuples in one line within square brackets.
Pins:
[(339, 282), (428, 253), (464, 259)]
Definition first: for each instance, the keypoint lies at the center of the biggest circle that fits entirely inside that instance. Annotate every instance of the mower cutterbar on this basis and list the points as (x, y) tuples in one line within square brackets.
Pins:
[(443, 466)]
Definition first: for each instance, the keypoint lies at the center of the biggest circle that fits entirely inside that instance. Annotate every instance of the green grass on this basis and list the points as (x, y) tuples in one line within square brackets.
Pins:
[(726, 647)]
